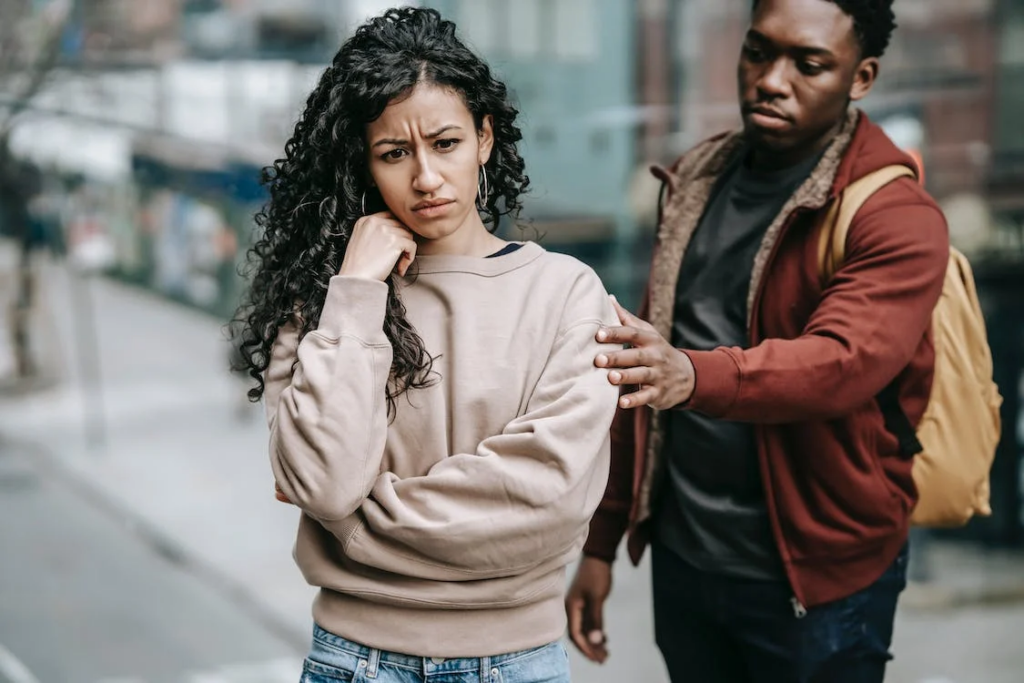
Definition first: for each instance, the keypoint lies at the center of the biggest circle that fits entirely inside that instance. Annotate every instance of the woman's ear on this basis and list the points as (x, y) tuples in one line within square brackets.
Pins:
[(486, 137)]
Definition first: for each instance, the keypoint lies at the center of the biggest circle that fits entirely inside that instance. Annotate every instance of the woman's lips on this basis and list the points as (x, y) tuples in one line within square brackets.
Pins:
[(434, 210)]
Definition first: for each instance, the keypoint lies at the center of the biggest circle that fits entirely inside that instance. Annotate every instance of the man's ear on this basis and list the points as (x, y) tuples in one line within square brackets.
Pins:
[(486, 136), (864, 79)]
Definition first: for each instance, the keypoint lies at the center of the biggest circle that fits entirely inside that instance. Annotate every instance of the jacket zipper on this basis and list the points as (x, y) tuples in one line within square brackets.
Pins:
[(799, 609)]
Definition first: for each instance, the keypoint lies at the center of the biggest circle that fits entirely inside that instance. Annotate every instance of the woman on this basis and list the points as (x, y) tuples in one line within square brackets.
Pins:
[(433, 403)]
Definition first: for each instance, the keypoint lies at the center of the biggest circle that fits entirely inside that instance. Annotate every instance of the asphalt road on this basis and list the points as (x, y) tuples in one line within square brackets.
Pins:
[(87, 598)]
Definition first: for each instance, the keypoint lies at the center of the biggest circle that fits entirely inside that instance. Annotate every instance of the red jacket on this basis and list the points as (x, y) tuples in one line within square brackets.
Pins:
[(838, 493)]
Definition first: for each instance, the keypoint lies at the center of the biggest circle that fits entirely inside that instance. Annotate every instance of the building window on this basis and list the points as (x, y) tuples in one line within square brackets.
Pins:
[(524, 26), (478, 21), (1010, 83), (576, 30), (564, 29)]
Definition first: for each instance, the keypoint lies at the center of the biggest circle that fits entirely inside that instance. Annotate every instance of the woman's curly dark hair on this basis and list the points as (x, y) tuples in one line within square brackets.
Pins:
[(317, 189)]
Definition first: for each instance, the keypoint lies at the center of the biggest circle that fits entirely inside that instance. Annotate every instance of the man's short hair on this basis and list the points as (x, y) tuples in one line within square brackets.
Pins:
[(873, 23)]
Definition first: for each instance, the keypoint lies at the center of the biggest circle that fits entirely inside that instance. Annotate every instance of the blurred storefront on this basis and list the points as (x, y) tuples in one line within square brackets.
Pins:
[(201, 93)]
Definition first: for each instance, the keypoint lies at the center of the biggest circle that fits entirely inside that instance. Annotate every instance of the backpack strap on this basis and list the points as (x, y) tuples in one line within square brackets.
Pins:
[(897, 423), (832, 251), (836, 225)]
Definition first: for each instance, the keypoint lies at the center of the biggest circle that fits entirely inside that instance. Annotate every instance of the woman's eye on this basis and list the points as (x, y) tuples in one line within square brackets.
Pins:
[(447, 144), (393, 155)]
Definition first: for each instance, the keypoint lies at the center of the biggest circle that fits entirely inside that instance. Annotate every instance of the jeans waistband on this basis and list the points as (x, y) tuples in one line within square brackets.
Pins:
[(330, 646)]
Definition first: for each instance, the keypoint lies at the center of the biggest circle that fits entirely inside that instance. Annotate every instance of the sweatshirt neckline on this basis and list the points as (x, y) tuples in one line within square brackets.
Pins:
[(476, 265)]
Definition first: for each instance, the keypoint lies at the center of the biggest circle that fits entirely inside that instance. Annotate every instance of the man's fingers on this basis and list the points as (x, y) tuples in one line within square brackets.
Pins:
[(594, 626), (628, 319), (645, 396), (629, 358), (630, 377), (625, 317), (574, 609), (621, 335)]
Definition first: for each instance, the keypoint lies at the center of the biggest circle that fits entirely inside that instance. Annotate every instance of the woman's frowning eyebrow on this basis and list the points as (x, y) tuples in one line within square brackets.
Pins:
[(431, 136)]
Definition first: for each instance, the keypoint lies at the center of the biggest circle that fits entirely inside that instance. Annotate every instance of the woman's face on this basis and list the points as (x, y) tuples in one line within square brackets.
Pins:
[(425, 156)]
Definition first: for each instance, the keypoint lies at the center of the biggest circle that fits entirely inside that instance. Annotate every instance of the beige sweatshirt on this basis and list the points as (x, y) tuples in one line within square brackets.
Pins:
[(446, 532)]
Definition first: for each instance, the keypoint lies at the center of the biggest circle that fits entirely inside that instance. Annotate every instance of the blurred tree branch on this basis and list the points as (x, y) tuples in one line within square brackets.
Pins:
[(24, 66), (30, 47)]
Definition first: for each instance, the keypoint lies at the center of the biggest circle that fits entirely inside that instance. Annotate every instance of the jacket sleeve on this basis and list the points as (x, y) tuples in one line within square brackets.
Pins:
[(325, 401), (611, 520), (524, 497), (871, 319)]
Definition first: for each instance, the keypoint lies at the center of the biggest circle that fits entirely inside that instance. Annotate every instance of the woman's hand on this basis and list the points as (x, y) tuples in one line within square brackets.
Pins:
[(379, 245)]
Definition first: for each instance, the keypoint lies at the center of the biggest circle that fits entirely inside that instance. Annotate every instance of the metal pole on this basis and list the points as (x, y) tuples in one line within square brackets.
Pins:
[(87, 346)]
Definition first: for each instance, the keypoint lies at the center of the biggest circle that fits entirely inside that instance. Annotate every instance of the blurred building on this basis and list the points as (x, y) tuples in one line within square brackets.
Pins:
[(1005, 188), (605, 87), (951, 89), (571, 67)]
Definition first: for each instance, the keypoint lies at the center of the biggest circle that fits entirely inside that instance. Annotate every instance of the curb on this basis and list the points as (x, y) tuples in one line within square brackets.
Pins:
[(932, 597)]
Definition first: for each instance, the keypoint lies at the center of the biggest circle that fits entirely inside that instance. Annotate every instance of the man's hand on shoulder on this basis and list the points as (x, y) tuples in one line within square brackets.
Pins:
[(664, 374)]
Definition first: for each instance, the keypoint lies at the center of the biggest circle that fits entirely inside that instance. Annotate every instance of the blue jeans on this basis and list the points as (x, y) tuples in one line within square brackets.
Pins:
[(713, 628), (334, 659)]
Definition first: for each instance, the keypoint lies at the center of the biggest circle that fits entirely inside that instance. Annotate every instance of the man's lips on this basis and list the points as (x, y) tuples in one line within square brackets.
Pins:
[(767, 119), (767, 112)]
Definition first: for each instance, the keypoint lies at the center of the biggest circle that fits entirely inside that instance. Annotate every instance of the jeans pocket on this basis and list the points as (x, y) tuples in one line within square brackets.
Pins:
[(318, 672), (547, 664)]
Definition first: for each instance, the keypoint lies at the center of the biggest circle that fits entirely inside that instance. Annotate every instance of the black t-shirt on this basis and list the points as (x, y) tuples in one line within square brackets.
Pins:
[(507, 249), (713, 514)]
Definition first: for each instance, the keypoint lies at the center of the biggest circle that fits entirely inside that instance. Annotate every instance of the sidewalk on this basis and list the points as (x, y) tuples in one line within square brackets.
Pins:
[(194, 477), (177, 458)]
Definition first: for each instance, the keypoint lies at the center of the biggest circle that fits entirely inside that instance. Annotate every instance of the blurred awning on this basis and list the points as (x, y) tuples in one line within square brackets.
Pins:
[(72, 146)]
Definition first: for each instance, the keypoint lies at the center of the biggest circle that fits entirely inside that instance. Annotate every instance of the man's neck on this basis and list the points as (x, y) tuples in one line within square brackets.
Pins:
[(767, 160)]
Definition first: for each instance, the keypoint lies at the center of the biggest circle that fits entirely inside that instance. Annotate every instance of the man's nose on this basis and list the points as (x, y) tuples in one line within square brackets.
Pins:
[(775, 81)]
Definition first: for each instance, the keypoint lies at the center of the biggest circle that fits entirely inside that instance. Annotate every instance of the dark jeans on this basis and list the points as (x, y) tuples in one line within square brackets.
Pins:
[(713, 628)]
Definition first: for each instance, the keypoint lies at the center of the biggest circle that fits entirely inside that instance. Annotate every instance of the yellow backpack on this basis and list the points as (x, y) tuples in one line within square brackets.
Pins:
[(955, 443)]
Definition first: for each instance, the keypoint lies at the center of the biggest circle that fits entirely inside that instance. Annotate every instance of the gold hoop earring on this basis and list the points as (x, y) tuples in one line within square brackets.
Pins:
[(482, 195)]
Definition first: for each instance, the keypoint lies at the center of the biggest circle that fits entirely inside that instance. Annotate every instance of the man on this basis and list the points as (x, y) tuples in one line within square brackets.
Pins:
[(750, 448)]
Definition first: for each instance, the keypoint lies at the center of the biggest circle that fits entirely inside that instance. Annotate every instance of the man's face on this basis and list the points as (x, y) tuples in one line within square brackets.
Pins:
[(800, 67)]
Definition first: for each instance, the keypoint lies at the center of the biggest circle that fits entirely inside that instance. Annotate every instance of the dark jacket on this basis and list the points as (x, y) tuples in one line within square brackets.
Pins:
[(838, 492)]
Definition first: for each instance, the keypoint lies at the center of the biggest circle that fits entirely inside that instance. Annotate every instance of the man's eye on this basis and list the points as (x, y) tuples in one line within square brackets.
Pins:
[(753, 53), (811, 69)]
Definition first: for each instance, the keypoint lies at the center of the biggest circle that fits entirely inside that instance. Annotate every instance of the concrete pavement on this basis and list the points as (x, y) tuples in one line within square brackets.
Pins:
[(88, 598), (182, 467)]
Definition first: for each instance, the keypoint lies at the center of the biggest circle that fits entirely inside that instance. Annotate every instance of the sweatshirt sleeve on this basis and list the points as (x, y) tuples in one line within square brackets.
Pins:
[(611, 520), (870, 321), (525, 497), (325, 401)]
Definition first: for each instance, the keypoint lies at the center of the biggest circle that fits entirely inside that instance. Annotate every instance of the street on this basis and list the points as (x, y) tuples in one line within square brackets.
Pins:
[(86, 598)]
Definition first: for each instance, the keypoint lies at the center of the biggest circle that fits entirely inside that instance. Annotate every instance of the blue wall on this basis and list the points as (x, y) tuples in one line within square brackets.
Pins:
[(578, 161)]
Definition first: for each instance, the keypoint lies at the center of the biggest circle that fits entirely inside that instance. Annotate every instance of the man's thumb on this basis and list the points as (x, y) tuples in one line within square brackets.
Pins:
[(624, 316), (595, 621)]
